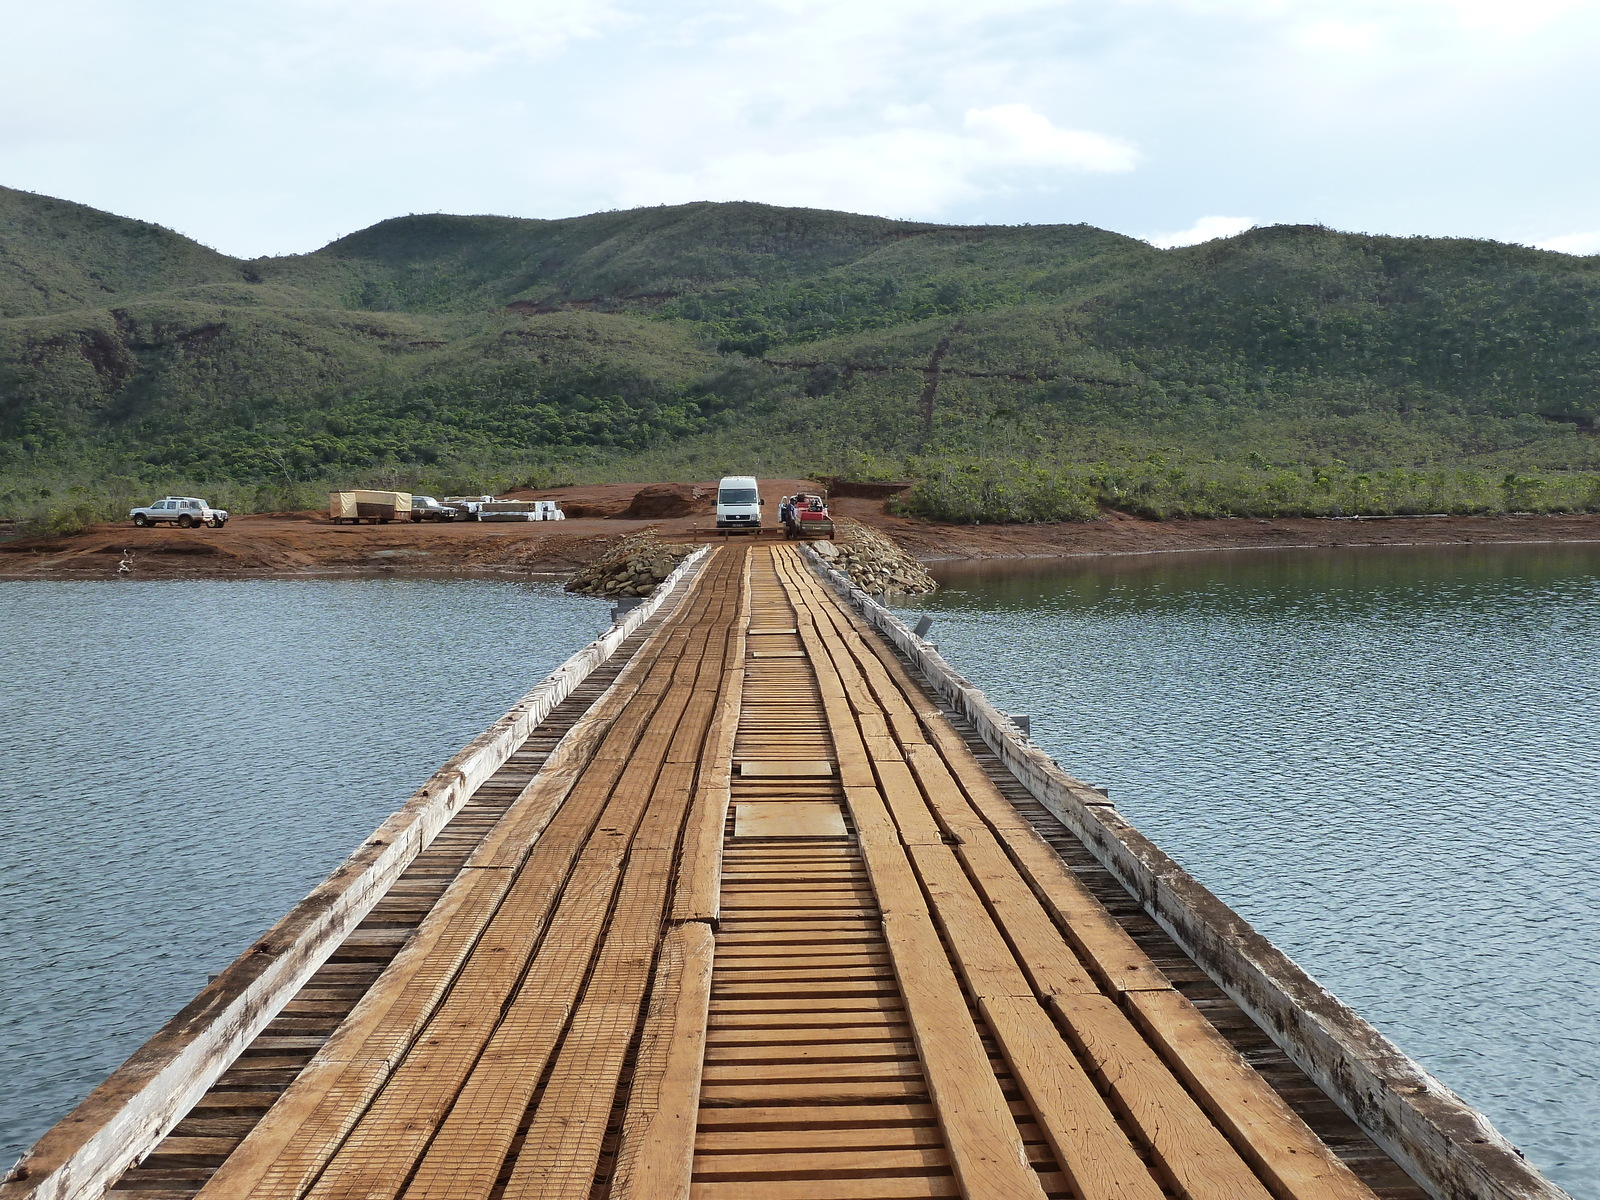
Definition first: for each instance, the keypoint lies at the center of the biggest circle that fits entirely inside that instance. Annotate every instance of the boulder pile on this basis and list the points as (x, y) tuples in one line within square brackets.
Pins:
[(873, 561), (632, 566)]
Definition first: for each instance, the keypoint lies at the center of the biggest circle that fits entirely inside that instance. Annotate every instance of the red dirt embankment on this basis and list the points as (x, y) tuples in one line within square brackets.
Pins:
[(285, 544)]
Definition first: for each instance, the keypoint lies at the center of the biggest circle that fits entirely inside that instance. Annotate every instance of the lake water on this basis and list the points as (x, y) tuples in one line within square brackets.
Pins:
[(182, 761), (1388, 760)]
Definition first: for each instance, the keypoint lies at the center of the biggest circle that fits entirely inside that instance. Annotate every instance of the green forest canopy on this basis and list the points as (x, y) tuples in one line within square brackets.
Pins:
[(1030, 372)]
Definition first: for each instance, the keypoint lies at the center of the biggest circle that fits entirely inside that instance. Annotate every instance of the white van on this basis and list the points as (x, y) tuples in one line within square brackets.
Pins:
[(738, 503)]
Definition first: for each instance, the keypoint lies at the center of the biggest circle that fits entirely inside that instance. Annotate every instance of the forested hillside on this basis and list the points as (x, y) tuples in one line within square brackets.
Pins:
[(1020, 372)]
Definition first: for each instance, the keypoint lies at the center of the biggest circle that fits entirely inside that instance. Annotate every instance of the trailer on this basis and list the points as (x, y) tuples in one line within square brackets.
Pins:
[(363, 504)]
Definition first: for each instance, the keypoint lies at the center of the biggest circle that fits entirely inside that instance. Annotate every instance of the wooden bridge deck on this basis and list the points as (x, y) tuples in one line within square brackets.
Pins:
[(753, 918)]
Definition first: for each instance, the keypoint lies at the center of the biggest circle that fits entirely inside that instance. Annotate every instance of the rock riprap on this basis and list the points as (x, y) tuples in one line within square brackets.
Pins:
[(873, 561), (632, 566)]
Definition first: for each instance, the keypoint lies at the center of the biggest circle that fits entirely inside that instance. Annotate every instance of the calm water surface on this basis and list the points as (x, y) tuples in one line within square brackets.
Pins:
[(1388, 760), (183, 761)]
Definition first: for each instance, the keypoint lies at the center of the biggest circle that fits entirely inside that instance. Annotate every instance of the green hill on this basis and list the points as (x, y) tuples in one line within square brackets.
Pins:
[(1023, 372), (56, 256)]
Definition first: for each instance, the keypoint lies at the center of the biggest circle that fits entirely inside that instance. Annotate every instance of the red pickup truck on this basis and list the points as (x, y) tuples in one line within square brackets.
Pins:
[(805, 516)]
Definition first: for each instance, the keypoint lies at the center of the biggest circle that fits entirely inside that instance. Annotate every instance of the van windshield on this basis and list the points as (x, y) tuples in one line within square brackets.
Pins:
[(736, 496)]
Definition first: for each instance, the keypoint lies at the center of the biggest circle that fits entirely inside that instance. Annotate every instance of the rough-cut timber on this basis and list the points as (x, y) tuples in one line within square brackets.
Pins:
[(758, 915)]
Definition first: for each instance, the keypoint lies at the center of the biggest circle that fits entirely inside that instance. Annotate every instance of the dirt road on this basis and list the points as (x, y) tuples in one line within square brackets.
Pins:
[(286, 544)]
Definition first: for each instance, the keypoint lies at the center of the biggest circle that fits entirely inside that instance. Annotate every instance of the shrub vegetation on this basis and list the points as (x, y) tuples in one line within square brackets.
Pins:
[(1019, 373)]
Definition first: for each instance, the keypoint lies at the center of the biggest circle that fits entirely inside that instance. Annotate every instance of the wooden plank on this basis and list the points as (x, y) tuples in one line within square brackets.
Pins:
[(1120, 961), (1105, 946), (768, 1030), (655, 1154), (909, 1187), (986, 1154), (797, 872), (811, 1052), (1089, 1143), (562, 1144), (866, 1137), (1052, 966), (444, 1085), (832, 956), (1293, 1160), (809, 981), (787, 768), (843, 1163), (820, 927), (725, 1095), (1190, 1148), (785, 1074), (283, 1153), (838, 1004), (799, 1116), (768, 905), (698, 888)]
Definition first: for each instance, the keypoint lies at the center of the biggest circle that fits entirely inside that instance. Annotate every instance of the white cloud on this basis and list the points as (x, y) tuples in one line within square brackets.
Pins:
[(1015, 135), (419, 41), (1204, 230), (277, 124), (899, 170), (1485, 18), (1573, 243)]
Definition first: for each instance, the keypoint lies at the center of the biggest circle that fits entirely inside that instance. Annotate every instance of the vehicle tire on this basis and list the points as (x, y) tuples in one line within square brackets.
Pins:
[(214, 523), (185, 521), (140, 520), (416, 518)]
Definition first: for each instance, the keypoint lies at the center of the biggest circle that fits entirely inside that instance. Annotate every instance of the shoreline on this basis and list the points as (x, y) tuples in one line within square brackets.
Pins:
[(306, 545), (34, 569), (1065, 555)]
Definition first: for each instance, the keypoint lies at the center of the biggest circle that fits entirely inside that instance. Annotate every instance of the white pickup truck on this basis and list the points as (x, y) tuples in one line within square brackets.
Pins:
[(183, 511)]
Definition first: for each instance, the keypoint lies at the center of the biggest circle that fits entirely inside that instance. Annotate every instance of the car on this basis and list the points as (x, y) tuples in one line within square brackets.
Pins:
[(426, 508), (739, 504), (184, 511)]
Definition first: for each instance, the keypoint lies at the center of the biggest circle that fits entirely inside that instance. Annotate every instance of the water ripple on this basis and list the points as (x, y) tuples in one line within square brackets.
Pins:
[(183, 761)]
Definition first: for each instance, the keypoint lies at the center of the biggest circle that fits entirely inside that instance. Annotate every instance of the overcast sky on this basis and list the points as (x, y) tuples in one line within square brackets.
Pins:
[(274, 126)]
